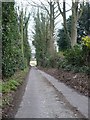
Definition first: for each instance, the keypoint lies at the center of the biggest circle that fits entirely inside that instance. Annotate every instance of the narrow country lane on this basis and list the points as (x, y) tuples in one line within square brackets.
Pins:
[(42, 100)]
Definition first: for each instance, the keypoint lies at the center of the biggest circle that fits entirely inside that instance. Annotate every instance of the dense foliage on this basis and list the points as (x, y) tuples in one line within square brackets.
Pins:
[(84, 21), (78, 57), (12, 56), (62, 41)]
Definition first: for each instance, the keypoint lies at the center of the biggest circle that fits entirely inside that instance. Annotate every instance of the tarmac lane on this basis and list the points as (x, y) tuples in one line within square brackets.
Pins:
[(42, 100)]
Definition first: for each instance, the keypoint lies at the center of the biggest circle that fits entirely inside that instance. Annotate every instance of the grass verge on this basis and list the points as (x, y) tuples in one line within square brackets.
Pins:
[(0, 94), (11, 85), (0, 87)]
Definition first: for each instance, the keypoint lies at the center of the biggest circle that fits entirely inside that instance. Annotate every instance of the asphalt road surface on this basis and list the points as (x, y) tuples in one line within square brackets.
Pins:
[(42, 100)]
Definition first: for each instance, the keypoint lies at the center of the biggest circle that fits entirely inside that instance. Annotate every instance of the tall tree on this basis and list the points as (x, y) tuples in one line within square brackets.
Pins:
[(27, 50), (0, 40), (10, 40), (23, 27), (74, 22), (51, 9), (12, 55), (41, 37)]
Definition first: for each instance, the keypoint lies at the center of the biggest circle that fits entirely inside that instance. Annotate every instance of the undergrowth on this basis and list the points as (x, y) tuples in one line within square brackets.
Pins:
[(10, 85)]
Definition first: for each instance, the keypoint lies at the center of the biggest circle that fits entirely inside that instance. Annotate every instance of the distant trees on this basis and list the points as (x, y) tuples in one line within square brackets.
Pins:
[(12, 56), (51, 10), (23, 20), (41, 37)]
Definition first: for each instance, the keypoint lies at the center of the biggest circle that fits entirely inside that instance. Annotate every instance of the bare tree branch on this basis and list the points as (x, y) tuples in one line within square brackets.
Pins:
[(59, 8), (55, 7), (45, 7), (56, 16), (35, 5), (80, 12), (42, 6), (68, 10), (68, 4), (34, 2)]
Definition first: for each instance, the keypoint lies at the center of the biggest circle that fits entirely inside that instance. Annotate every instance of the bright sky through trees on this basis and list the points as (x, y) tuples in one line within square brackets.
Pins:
[(25, 4)]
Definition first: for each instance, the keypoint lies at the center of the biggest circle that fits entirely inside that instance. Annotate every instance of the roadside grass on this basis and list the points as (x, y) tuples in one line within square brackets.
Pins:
[(0, 87), (0, 94), (11, 85)]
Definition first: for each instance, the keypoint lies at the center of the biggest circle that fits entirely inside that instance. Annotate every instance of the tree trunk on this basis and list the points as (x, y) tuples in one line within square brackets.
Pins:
[(51, 46), (22, 32), (63, 13), (0, 40), (74, 24), (65, 22)]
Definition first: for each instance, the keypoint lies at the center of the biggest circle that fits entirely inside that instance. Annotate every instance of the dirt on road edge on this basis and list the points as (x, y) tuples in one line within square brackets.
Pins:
[(78, 81)]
